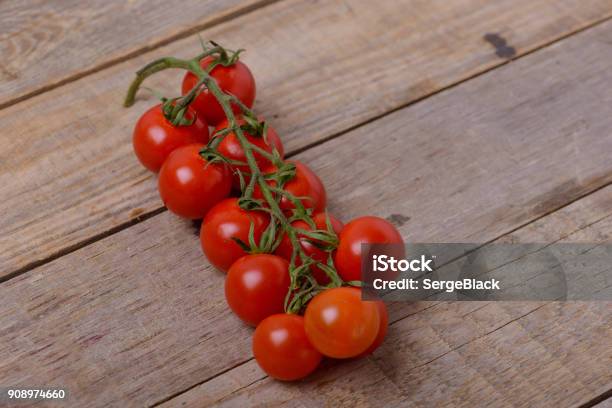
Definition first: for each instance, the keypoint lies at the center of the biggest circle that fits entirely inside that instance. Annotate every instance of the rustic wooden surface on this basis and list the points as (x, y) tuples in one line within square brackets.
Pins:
[(47, 43), (68, 163), (106, 294)]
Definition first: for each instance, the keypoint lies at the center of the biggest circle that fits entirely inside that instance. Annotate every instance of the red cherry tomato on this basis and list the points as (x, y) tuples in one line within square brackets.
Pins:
[(256, 286), (189, 186), (155, 137), (285, 249), (235, 79), (362, 230), (341, 325), (282, 350), (223, 222), (305, 184), (230, 148), (382, 329)]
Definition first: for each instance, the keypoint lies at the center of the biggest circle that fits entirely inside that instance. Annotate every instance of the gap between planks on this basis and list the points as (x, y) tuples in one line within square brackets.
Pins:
[(146, 215), (129, 55), (605, 396)]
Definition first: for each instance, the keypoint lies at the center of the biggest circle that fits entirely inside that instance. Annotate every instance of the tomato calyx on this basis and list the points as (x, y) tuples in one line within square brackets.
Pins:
[(221, 55), (251, 126), (267, 241), (254, 127), (283, 173), (177, 113)]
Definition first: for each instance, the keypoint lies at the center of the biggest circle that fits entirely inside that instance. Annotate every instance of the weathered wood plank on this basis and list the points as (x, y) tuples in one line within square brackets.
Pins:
[(529, 362), (220, 387), (555, 356), (67, 173), (481, 353), (345, 386), (45, 43), (508, 353), (540, 343), (140, 315), (606, 403), (128, 348)]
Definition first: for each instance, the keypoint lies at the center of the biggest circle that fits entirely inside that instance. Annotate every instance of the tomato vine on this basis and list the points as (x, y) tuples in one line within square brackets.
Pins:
[(270, 184)]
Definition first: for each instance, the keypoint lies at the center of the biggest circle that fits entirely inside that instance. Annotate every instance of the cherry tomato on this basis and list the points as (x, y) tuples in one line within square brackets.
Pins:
[(155, 137), (189, 186), (282, 350), (362, 230), (256, 286), (225, 221), (285, 249), (382, 329), (341, 325), (235, 79), (305, 184), (230, 148)]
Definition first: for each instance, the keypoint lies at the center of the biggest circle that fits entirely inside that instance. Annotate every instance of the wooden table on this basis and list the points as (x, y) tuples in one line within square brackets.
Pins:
[(461, 121)]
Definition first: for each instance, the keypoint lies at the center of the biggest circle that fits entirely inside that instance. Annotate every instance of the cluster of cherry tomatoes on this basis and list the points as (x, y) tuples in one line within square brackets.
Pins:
[(292, 269)]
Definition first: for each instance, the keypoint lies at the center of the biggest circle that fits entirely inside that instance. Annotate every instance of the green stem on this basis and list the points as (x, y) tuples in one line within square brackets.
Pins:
[(150, 69), (226, 101)]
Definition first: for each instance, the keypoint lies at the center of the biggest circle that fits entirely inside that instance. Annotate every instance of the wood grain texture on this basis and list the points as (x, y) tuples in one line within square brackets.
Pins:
[(67, 173), (553, 357), (475, 353), (140, 315), (344, 385), (44, 43), (512, 353), (554, 354)]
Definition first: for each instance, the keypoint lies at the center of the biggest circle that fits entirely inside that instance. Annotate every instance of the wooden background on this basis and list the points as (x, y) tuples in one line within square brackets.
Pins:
[(462, 120)]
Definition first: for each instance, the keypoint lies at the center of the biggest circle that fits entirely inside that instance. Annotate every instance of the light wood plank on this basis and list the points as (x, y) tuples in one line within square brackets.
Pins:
[(483, 353), (554, 357), (67, 173), (345, 386), (140, 316), (433, 350), (45, 43), (606, 403), (553, 354), (529, 362)]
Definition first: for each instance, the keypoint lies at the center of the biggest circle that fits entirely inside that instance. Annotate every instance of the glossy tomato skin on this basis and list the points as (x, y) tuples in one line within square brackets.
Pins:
[(225, 221), (285, 249), (363, 230), (382, 329), (154, 137), (256, 287), (341, 325), (230, 148), (235, 79), (282, 350), (189, 186), (305, 184)]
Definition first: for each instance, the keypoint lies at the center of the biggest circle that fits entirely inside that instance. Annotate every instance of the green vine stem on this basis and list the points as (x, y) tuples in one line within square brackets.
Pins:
[(303, 285)]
